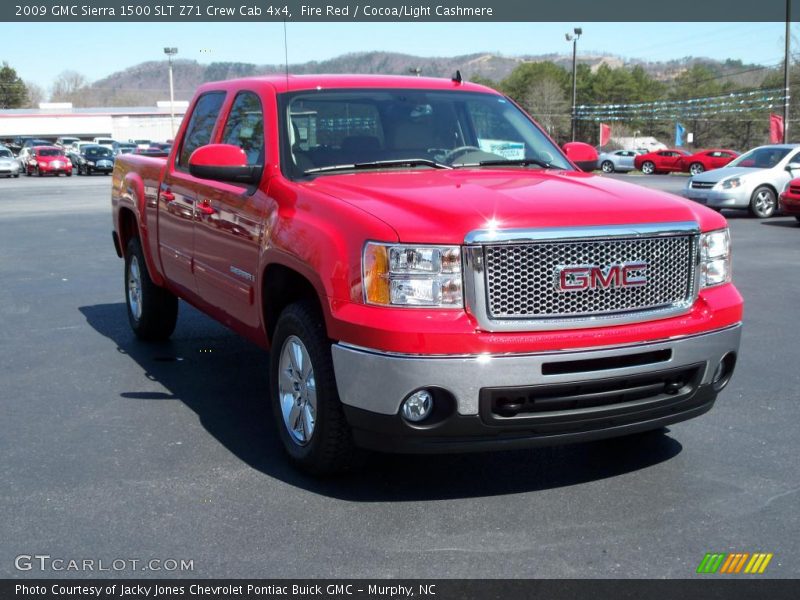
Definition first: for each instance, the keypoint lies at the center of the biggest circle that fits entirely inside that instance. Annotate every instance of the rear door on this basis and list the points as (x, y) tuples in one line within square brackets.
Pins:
[(229, 222), (178, 193)]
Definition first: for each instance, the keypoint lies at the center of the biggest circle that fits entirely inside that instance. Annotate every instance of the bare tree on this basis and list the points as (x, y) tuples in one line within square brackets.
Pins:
[(36, 94), (68, 87), (545, 101)]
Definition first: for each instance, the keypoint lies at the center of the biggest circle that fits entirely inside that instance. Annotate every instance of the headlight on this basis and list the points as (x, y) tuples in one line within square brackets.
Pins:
[(729, 184), (33, 163), (90, 162), (715, 258), (422, 276)]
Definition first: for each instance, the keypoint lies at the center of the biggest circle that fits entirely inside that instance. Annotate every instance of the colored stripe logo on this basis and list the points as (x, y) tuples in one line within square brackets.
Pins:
[(734, 563)]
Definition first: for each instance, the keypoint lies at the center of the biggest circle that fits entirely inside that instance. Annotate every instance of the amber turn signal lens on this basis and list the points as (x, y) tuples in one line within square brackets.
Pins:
[(376, 274)]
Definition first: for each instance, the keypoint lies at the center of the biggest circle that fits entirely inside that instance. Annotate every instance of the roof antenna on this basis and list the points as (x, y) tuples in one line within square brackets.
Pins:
[(457, 77), (286, 53)]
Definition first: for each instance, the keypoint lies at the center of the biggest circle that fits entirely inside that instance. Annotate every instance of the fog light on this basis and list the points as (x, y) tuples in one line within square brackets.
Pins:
[(724, 371), (418, 406)]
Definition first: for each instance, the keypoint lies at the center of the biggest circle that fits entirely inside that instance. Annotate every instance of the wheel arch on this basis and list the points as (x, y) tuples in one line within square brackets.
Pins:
[(282, 285)]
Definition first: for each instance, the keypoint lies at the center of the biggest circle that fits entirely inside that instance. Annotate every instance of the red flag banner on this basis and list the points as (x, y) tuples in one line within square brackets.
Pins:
[(775, 129), (605, 134)]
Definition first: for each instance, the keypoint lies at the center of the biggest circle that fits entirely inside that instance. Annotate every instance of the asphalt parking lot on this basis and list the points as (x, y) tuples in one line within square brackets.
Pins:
[(114, 449)]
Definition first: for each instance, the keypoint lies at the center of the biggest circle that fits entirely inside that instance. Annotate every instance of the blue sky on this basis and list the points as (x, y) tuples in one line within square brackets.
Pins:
[(40, 51)]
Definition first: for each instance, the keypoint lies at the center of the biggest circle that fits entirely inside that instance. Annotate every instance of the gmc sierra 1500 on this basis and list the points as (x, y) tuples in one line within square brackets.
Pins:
[(430, 272)]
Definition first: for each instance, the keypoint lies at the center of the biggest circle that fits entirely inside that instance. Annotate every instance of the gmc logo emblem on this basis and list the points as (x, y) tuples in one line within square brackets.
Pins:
[(574, 278)]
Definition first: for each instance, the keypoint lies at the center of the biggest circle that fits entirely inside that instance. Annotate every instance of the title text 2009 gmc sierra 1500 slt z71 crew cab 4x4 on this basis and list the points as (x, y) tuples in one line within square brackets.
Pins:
[(429, 271)]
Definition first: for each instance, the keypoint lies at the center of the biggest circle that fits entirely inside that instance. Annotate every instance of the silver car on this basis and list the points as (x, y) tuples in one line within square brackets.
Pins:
[(617, 161), (753, 181), (9, 166)]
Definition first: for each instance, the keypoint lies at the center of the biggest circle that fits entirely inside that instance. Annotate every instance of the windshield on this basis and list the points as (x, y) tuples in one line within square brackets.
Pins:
[(760, 158), (432, 128), (97, 152), (50, 152), (6, 153)]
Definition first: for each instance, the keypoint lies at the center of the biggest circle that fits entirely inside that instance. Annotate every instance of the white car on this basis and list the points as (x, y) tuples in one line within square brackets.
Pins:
[(754, 181), (105, 142), (9, 166)]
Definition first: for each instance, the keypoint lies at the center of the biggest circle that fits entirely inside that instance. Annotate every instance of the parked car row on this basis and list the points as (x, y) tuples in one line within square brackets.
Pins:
[(665, 161)]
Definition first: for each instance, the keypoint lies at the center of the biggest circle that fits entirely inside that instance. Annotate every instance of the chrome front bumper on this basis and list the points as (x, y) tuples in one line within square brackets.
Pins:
[(378, 382)]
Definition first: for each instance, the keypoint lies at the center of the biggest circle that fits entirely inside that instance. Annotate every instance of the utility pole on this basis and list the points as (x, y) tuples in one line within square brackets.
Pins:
[(574, 37), (786, 72), (170, 52)]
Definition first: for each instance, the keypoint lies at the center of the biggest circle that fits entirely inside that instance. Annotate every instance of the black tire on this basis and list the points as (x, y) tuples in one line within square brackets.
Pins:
[(648, 168), (38, 172), (157, 312), (763, 202), (329, 448), (607, 166), (27, 172)]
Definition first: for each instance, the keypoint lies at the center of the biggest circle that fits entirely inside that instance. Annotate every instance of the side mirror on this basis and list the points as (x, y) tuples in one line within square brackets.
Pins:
[(583, 155), (793, 166), (223, 162)]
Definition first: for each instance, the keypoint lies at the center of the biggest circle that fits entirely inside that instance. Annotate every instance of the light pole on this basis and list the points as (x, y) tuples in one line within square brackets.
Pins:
[(786, 73), (574, 37), (170, 52)]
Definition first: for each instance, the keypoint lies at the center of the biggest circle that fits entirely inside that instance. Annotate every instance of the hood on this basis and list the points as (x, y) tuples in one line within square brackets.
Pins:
[(716, 175), (47, 159), (438, 206)]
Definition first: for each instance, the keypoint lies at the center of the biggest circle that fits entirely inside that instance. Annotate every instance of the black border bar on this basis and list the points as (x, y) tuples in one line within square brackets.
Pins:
[(396, 10), (704, 587)]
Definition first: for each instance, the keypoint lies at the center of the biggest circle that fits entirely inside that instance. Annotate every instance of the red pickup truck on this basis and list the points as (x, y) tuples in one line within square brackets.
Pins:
[(430, 272)]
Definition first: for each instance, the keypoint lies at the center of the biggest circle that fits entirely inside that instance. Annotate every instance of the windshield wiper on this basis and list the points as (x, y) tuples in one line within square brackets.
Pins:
[(378, 164), (509, 161)]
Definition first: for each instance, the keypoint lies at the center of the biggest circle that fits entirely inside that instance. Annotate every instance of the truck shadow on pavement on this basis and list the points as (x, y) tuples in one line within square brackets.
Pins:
[(223, 379)]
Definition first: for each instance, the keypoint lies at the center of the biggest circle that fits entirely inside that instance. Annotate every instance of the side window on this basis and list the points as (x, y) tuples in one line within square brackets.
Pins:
[(245, 127), (201, 125)]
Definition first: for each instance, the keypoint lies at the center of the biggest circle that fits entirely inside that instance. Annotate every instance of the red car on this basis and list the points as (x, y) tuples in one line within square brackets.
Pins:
[(790, 199), (48, 160), (660, 161), (706, 160)]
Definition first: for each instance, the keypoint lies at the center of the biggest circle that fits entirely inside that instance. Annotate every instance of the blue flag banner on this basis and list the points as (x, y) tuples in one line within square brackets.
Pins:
[(680, 130)]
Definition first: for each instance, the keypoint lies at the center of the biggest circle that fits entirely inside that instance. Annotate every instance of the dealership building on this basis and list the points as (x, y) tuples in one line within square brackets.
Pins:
[(57, 119)]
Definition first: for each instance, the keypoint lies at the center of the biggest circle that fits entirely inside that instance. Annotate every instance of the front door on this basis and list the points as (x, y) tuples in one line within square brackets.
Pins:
[(229, 222)]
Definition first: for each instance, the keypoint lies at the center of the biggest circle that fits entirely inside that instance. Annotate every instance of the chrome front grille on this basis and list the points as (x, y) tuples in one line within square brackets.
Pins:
[(527, 280), (702, 185)]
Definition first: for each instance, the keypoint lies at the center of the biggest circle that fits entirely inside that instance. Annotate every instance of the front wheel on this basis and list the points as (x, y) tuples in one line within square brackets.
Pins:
[(798, 220), (607, 166), (152, 310), (696, 168), (763, 202), (648, 168), (308, 413)]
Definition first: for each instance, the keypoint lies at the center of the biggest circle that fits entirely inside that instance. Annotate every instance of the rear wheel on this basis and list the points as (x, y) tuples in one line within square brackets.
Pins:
[(308, 413), (763, 202), (696, 168), (648, 168), (152, 310)]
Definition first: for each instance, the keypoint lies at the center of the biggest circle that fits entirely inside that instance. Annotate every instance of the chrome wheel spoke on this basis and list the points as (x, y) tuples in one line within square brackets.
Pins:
[(308, 418)]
